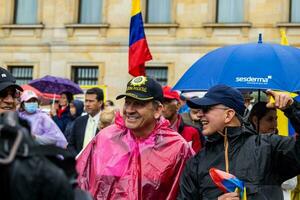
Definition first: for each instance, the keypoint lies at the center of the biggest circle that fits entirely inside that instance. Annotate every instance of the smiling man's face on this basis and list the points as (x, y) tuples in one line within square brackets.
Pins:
[(140, 116), (8, 99)]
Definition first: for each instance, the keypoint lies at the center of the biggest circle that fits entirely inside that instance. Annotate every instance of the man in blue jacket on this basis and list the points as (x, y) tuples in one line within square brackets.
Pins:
[(262, 162)]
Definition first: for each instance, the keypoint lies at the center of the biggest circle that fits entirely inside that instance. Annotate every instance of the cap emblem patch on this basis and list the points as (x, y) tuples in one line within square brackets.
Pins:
[(138, 81)]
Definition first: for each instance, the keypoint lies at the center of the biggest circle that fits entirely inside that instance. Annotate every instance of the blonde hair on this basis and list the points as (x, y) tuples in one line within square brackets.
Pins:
[(107, 117)]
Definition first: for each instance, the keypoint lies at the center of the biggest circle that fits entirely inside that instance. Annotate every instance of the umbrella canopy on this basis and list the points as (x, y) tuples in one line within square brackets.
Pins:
[(45, 98), (40, 94), (55, 85), (249, 66)]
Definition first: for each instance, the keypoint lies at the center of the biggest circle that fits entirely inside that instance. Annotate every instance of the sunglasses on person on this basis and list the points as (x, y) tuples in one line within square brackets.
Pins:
[(206, 109), (10, 91)]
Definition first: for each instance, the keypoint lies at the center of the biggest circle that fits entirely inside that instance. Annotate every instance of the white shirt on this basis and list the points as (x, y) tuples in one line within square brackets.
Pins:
[(90, 129)]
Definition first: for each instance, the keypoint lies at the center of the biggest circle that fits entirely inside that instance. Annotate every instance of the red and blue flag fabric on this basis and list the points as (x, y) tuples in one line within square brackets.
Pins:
[(138, 48), (228, 182)]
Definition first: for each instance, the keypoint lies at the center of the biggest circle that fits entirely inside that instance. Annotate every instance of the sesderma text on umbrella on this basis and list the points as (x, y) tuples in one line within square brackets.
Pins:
[(253, 80)]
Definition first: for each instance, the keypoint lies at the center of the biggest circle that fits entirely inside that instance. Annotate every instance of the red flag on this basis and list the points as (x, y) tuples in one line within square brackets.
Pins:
[(138, 48)]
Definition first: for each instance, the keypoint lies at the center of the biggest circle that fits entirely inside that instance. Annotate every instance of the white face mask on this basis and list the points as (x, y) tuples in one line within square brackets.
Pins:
[(31, 107)]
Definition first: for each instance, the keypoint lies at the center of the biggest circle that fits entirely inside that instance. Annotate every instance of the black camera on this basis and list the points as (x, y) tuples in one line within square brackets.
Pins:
[(34, 172)]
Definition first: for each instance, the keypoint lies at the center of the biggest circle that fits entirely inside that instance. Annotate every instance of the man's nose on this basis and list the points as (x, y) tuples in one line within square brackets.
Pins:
[(129, 107)]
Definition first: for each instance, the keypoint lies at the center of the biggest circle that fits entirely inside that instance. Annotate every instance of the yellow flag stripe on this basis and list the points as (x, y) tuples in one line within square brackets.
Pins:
[(282, 120), (282, 123), (136, 7), (245, 194)]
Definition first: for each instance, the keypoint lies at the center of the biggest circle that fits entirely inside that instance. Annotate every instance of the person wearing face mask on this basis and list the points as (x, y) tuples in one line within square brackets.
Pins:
[(43, 129)]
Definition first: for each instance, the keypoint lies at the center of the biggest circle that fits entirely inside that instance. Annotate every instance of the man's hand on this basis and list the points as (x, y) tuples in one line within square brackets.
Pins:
[(229, 196), (281, 100)]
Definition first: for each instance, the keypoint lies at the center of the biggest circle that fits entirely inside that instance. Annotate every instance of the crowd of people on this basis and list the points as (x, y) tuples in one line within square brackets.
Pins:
[(152, 149)]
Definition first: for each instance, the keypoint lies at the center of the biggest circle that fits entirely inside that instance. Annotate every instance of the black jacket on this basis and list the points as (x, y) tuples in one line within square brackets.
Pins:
[(263, 162), (62, 121), (79, 109), (77, 134), (34, 172)]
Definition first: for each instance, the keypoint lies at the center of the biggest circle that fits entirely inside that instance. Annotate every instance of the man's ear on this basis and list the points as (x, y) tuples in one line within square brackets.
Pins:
[(230, 113), (178, 105), (158, 110)]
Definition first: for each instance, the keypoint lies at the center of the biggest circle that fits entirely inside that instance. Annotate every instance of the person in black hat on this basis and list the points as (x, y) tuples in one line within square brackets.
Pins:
[(138, 157), (25, 172), (9, 91), (262, 162)]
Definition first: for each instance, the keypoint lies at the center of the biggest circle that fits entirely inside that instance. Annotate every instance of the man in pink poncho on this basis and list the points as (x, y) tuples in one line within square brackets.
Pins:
[(138, 157)]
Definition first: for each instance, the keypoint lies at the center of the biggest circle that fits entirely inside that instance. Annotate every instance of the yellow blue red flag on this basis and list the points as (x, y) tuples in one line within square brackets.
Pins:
[(139, 52), (228, 182)]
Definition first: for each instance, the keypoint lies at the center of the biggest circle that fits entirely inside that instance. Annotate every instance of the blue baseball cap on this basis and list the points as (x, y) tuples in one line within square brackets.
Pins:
[(220, 94)]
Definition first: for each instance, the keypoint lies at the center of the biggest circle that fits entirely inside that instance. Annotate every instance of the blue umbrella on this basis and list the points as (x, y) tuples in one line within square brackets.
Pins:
[(55, 85), (249, 66)]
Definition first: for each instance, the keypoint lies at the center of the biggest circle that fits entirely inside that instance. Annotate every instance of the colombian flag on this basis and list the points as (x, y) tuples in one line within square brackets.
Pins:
[(228, 182), (138, 48)]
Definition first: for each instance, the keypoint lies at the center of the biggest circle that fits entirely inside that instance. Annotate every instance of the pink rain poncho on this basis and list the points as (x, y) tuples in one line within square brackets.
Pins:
[(117, 165)]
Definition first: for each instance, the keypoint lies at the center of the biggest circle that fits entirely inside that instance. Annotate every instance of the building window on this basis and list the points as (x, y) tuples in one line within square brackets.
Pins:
[(230, 11), (158, 11), (25, 12), (22, 74), (85, 75), (295, 11), (90, 11), (158, 73)]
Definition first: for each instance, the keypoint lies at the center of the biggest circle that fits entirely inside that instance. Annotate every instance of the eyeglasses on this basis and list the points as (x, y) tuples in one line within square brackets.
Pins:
[(9, 91), (206, 109)]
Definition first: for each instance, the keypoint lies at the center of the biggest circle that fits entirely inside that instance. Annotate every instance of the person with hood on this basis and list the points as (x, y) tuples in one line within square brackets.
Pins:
[(76, 110), (44, 131), (61, 116), (138, 157), (233, 146)]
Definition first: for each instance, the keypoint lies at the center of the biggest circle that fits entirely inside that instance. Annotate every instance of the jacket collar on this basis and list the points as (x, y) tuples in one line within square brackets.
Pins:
[(232, 133)]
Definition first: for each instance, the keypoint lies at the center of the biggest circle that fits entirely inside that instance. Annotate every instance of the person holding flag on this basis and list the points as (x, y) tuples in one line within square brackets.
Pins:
[(285, 128), (233, 146)]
